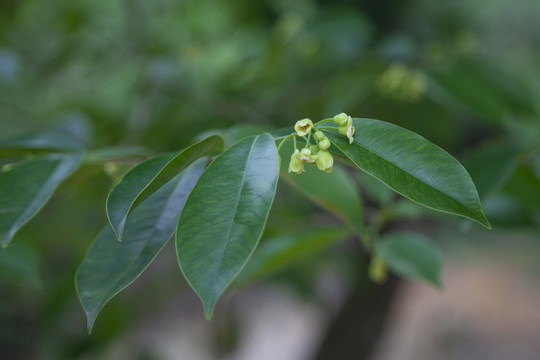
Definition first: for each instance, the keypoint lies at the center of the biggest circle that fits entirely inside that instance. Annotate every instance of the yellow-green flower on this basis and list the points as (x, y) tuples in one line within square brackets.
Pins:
[(296, 165), (350, 133), (307, 156), (347, 129), (325, 161), (303, 127)]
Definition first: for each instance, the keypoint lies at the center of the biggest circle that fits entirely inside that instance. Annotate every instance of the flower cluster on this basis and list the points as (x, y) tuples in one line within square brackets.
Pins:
[(318, 154)]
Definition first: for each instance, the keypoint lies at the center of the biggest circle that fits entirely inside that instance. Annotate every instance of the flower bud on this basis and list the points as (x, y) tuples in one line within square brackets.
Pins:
[(341, 119), (319, 135), (296, 165), (314, 149), (324, 144), (325, 161), (303, 127)]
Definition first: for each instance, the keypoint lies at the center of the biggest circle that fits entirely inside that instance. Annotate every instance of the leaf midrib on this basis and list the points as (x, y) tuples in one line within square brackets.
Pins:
[(223, 248), (170, 198), (408, 173), (120, 233), (64, 163)]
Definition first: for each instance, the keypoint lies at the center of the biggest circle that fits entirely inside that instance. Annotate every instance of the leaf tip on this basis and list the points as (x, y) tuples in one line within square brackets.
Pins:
[(208, 311), (89, 325), (118, 230), (484, 222)]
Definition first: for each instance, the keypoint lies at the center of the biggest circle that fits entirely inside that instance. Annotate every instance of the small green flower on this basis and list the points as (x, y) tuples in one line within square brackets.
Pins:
[(350, 134), (347, 129), (303, 127), (324, 144), (341, 119), (296, 165), (325, 161), (307, 156)]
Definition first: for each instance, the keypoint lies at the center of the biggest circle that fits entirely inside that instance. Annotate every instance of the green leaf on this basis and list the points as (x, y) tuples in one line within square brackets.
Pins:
[(225, 215), (110, 266), (26, 186), (148, 176), (334, 191), (411, 255), (374, 190), (276, 254), (412, 166)]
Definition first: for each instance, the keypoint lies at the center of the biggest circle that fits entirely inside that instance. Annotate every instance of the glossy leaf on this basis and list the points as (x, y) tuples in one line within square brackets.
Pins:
[(412, 166), (148, 176), (26, 186), (334, 191), (411, 255), (225, 215), (110, 266), (276, 254)]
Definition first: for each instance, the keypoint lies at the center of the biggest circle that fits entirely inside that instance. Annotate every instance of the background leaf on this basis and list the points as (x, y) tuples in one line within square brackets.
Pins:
[(491, 166), (225, 215), (148, 176), (102, 155), (412, 166), (411, 255), (27, 185), (110, 266), (334, 191), (234, 133), (276, 254), (482, 89), (72, 135)]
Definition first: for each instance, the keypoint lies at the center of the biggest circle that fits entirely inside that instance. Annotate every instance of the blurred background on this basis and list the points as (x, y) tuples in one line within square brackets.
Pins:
[(154, 75)]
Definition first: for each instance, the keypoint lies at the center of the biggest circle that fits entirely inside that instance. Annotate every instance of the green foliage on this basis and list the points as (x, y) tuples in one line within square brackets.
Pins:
[(279, 253), (413, 167), (110, 266), (227, 204), (334, 191), (411, 255), (137, 78), (26, 186), (225, 215), (147, 177)]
